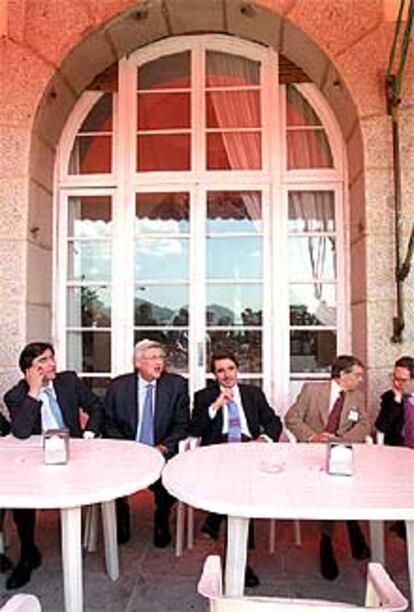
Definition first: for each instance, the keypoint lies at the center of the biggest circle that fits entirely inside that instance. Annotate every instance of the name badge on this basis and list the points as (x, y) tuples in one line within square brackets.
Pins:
[(353, 415)]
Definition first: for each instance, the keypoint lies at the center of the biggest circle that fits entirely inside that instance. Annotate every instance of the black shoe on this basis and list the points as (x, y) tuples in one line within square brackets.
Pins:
[(23, 570), (212, 533), (123, 532), (5, 564), (359, 548), (328, 565), (251, 579), (399, 529)]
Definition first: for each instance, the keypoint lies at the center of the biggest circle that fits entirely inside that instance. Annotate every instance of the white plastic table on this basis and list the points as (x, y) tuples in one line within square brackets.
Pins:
[(98, 471), (289, 481)]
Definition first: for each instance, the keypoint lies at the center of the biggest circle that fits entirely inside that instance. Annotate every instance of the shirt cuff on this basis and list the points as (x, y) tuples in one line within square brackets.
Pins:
[(212, 411), (88, 435)]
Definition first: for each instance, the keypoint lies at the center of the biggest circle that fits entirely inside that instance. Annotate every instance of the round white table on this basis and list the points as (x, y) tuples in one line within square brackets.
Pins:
[(98, 471), (289, 481)]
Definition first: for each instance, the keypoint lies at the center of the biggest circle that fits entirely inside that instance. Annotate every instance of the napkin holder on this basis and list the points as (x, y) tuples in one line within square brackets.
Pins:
[(340, 459), (56, 446)]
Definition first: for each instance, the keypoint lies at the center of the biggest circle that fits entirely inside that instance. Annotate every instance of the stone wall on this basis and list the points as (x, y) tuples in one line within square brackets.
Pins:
[(51, 50)]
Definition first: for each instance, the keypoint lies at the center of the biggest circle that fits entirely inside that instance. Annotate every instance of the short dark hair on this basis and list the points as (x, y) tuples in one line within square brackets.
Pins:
[(31, 351), (222, 354), (344, 363), (406, 362)]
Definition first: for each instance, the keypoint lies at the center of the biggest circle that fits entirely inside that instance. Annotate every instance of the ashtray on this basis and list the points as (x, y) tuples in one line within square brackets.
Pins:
[(270, 467)]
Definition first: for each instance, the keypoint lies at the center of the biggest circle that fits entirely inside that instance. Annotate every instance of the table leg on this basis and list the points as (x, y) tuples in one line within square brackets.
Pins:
[(110, 539), (376, 536), (72, 558), (236, 558), (410, 554)]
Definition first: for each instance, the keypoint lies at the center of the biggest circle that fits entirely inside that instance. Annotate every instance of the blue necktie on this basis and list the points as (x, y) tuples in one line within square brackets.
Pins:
[(146, 435), (54, 407), (234, 433)]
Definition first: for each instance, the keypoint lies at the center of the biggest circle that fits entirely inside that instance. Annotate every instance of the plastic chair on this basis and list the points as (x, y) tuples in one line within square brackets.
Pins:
[(22, 603), (185, 445), (381, 594), (296, 524)]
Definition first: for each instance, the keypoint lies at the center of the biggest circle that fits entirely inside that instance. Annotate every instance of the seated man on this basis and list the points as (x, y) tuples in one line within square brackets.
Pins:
[(151, 407), (333, 411), (5, 563), (44, 399), (231, 412), (396, 416)]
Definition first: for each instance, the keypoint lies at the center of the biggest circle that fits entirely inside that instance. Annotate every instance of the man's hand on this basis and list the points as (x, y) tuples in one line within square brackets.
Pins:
[(163, 449), (225, 396), (323, 436), (397, 394), (34, 378)]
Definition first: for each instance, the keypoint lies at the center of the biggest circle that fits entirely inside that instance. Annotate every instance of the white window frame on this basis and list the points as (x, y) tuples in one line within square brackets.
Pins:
[(274, 180)]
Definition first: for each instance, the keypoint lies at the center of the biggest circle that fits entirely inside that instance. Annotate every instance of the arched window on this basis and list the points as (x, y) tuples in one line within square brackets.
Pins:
[(201, 204)]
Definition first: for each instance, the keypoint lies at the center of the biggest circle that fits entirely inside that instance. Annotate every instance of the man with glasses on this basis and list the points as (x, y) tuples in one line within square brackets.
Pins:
[(151, 407), (333, 411), (396, 416)]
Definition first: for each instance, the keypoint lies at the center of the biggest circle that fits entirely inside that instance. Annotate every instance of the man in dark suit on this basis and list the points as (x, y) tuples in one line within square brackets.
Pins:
[(232, 412), (44, 399), (396, 416), (151, 407), (333, 411)]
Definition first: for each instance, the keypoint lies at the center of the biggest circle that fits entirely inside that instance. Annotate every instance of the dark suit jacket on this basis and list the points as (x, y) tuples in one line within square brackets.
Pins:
[(309, 414), (71, 393), (390, 419), (259, 415), (171, 412)]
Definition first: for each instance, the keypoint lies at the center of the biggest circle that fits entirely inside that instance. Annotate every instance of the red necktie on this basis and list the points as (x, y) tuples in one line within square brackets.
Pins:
[(335, 414)]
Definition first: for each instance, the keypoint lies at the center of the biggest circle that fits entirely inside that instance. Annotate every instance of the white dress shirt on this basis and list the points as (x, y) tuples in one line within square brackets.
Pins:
[(243, 421)]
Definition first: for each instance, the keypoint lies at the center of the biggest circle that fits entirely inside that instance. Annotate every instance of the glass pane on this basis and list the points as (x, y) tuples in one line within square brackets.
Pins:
[(166, 305), (233, 109), (89, 307), (234, 258), (89, 351), (234, 305), (98, 385), (161, 258), (312, 351), (162, 213), (313, 304), (311, 211), (162, 111), (308, 149), (89, 216), (99, 118), (224, 69), (171, 71), (91, 155), (298, 110), (234, 211), (247, 345), (176, 346), (163, 152), (234, 150), (89, 260), (312, 257)]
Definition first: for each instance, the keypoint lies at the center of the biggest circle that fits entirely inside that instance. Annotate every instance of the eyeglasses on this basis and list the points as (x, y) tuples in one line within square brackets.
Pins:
[(154, 358)]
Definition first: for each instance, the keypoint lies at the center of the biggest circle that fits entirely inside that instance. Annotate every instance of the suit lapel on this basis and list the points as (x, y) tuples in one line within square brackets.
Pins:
[(131, 400), (324, 397), (247, 405), (162, 407)]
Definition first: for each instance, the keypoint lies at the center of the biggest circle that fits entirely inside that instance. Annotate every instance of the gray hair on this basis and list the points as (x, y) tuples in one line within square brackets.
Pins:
[(144, 345)]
